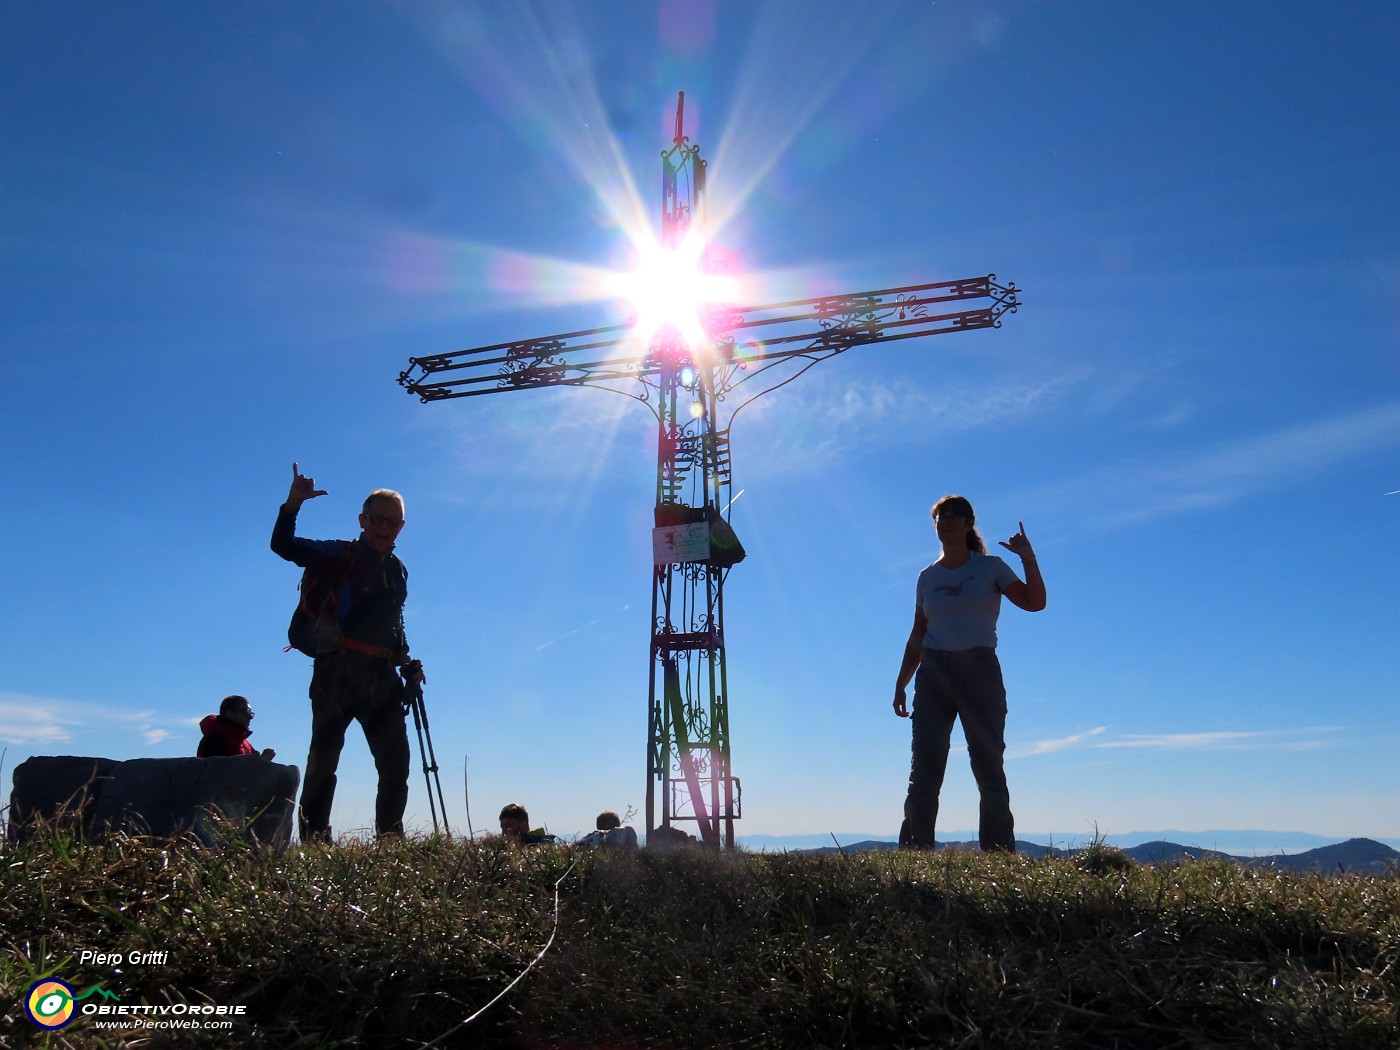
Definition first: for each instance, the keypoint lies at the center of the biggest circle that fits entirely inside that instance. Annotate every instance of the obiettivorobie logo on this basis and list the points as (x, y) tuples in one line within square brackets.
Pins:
[(50, 1003), (53, 1004)]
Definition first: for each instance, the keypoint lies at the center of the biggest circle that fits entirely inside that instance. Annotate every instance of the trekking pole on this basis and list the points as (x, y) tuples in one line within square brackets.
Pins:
[(429, 757)]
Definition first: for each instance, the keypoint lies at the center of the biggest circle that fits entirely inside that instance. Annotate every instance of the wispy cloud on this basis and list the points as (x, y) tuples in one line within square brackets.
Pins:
[(1308, 738), (1258, 740), (555, 435), (831, 417), (1130, 492), (36, 721), (583, 627), (1045, 747), (25, 725)]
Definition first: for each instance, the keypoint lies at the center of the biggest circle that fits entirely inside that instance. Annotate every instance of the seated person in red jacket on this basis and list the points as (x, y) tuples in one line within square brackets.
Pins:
[(227, 732)]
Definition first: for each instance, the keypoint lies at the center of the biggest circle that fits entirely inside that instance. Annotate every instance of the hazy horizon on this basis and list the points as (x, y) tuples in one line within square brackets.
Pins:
[(1242, 842)]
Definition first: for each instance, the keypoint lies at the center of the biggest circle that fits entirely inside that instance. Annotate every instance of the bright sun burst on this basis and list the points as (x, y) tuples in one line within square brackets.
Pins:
[(670, 289)]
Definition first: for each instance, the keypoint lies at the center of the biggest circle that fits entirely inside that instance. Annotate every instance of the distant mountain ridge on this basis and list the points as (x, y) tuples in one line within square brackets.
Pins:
[(1353, 857), (1249, 842)]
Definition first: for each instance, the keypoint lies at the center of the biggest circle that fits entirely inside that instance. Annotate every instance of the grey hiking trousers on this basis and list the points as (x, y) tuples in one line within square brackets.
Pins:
[(949, 686), (349, 687)]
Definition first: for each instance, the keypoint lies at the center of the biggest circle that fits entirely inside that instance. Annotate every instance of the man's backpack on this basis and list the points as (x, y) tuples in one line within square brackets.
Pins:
[(315, 626)]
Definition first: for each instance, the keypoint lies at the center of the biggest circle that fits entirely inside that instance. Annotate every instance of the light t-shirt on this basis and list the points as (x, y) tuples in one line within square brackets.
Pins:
[(962, 604)]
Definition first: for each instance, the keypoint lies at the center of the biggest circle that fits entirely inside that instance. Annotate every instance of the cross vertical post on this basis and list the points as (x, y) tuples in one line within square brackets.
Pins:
[(688, 723), (687, 713)]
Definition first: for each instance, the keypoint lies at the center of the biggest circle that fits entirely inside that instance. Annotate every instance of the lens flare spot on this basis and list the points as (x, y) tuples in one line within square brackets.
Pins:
[(415, 265), (688, 28)]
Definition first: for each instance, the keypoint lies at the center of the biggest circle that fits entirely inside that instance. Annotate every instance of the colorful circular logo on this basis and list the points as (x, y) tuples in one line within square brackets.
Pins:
[(49, 1004)]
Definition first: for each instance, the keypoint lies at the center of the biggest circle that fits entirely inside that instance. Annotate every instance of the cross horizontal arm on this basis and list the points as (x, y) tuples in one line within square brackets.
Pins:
[(800, 327)]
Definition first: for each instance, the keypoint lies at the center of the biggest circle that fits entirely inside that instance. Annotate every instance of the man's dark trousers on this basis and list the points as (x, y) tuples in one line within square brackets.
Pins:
[(348, 687), (965, 684)]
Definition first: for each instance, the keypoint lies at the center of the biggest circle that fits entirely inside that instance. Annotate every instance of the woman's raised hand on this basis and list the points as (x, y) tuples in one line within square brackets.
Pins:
[(1019, 544)]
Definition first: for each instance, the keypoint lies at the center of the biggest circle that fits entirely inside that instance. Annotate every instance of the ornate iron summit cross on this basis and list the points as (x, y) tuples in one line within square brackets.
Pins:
[(689, 378)]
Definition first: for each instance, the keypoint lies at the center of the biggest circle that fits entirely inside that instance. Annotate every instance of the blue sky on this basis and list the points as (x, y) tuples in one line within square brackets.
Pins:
[(226, 228)]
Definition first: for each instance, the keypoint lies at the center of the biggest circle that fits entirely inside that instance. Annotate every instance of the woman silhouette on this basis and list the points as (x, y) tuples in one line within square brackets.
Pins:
[(952, 646)]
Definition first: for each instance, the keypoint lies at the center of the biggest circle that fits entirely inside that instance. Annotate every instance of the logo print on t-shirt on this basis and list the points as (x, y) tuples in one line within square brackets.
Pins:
[(953, 590)]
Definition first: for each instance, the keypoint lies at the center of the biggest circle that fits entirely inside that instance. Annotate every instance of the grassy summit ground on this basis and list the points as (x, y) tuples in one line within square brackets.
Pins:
[(394, 945)]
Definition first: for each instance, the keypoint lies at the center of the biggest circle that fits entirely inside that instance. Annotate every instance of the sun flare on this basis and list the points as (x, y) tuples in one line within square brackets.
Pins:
[(672, 290)]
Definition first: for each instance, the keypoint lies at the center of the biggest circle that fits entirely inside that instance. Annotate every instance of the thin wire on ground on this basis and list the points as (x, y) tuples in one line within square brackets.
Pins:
[(504, 991)]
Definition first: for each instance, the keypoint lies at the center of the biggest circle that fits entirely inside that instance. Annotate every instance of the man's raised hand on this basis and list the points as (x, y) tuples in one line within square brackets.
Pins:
[(303, 489)]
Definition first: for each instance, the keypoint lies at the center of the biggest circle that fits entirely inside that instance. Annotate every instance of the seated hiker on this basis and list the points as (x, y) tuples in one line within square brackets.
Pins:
[(668, 837), (227, 732), (515, 826), (611, 834)]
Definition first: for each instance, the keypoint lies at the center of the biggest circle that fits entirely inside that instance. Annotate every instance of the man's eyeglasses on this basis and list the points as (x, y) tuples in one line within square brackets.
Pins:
[(380, 521)]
